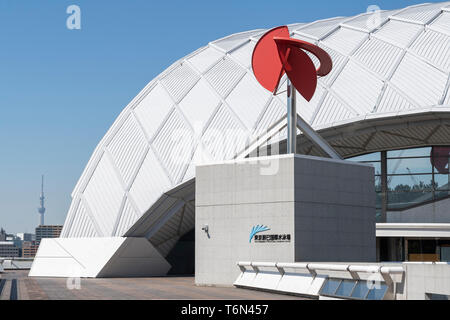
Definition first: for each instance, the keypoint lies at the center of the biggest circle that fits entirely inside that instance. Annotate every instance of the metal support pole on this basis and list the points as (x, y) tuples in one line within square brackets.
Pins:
[(384, 187), (291, 119)]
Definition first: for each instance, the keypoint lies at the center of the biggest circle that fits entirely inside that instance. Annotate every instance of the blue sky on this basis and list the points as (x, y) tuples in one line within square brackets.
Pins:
[(62, 89)]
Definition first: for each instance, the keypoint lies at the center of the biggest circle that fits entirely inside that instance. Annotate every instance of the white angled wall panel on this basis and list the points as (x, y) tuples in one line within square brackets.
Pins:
[(84, 226), (345, 40), (399, 33), (150, 183), (104, 195), (425, 89), (205, 59), (199, 105), (205, 106), (230, 43), (320, 29), (421, 13), (379, 56), (224, 76), (358, 88), (393, 101), (435, 47), (127, 219), (243, 54), (127, 149), (442, 23), (248, 100), (332, 110), (153, 109), (179, 81), (174, 145)]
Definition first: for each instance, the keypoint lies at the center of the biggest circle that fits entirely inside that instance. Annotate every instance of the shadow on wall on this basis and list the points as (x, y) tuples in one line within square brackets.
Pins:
[(182, 256)]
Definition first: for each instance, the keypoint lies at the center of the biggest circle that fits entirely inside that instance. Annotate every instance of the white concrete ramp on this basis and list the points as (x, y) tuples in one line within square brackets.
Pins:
[(98, 257)]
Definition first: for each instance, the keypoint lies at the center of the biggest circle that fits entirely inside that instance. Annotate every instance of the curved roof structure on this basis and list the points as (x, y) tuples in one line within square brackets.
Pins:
[(389, 88)]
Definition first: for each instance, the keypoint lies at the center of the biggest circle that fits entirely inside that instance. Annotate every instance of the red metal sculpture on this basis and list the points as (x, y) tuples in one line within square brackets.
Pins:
[(276, 53), (440, 159)]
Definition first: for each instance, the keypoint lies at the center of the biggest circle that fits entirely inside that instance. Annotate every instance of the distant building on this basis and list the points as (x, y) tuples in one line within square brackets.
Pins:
[(29, 249), (3, 235), (9, 250), (47, 232), (26, 236)]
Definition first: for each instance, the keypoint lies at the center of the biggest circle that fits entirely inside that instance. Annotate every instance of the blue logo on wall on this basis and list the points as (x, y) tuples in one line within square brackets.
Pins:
[(256, 230)]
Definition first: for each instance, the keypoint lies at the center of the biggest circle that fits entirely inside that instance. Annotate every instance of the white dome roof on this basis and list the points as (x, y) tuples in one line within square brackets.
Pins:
[(397, 65)]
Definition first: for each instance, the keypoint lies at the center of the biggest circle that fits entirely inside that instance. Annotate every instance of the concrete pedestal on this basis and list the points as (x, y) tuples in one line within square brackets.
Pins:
[(307, 209)]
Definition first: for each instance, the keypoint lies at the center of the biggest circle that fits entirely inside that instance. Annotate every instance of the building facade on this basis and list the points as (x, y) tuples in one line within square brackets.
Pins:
[(49, 231), (9, 250), (386, 102)]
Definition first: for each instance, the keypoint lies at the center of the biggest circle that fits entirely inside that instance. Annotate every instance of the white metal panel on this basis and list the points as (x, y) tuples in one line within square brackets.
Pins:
[(232, 42), (442, 23), (435, 47), (127, 219), (174, 145), (447, 100), (345, 40), (305, 109), (420, 81), (82, 225), (369, 21), (199, 105), (104, 195), (224, 136), (127, 148), (273, 113), (224, 76), (339, 62), (358, 88), (179, 81), (393, 101), (379, 56), (319, 29), (422, 13), (331, 110), (153, 109), (204, 59), (248, 100), (243, 54), (149, 184), (399, 33), (201, 156)]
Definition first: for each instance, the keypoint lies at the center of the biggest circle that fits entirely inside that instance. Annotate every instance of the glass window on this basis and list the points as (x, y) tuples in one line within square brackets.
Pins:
[(346, 288), (371, 157), (360, 290), (442, 181), (409, 165), (417, 152), (330, 286), (400, 200), (410, 183), (377, 292)]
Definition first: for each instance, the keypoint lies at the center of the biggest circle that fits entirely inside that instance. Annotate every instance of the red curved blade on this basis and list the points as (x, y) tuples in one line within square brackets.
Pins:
[(266, 63), (299, 68), (439, 159)]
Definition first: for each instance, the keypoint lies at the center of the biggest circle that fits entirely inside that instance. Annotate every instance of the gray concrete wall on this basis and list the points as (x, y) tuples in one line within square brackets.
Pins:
[(327, 206), (426, 278), (232, 198), (436, 212), (335, 211)]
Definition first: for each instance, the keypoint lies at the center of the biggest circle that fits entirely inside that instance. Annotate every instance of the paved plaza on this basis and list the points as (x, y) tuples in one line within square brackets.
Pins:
[(120, 289)]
